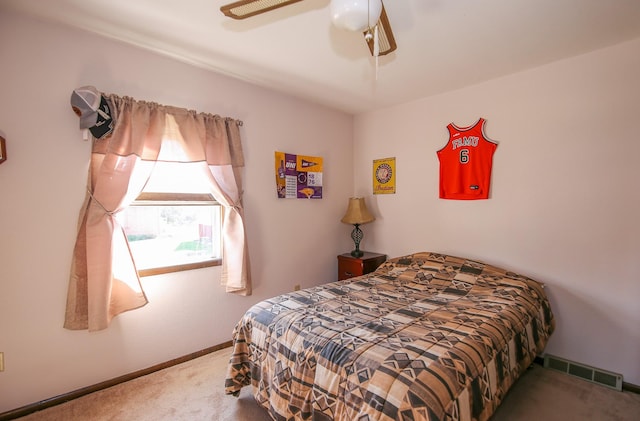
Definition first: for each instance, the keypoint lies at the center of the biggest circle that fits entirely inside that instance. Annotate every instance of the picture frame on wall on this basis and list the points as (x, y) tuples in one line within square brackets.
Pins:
[(3, 150), (384, 176)]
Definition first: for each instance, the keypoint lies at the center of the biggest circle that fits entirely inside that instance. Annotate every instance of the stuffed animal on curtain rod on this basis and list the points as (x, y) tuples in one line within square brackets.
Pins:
[(94, 111)]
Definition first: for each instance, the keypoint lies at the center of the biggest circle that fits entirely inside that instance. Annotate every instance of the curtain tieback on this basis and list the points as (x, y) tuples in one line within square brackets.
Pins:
[(108, 212)]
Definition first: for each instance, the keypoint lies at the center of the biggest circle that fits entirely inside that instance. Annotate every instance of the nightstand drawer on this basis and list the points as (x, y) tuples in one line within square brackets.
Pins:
[(349, 266), (349, 269)]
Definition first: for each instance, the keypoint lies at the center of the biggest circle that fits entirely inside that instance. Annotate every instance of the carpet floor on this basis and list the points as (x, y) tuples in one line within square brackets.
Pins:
[(194, 391)]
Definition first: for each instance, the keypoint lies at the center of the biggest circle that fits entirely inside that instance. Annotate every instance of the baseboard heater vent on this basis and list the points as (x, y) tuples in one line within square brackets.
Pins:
[(595, 375)]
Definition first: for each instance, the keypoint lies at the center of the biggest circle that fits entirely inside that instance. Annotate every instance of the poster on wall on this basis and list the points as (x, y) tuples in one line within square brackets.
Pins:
[(384, 176), (298, 176)]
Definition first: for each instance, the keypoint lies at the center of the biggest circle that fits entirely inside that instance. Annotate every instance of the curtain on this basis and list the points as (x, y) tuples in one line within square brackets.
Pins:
[(119, 169)]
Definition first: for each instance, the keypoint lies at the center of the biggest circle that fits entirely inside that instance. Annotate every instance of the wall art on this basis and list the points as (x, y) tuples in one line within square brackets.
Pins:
[(298, 176)]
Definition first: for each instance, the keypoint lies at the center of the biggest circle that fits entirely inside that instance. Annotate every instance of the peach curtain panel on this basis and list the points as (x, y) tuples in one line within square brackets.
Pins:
[(104, 281)]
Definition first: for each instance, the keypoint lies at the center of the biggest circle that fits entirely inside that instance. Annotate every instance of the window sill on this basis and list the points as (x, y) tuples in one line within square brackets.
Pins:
[(179, 268)]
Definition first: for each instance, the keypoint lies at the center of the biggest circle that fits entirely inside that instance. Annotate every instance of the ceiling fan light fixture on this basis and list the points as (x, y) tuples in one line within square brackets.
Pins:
[(355, 15), (365, 16)]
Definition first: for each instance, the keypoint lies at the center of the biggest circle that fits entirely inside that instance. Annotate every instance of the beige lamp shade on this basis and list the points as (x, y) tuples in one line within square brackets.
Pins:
[(357, 212)]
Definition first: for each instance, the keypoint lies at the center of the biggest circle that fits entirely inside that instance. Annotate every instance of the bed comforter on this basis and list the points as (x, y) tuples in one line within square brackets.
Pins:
[(425, 337)]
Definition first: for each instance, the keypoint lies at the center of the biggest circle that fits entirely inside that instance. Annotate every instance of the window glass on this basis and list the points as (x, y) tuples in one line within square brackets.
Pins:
[(175, 224)]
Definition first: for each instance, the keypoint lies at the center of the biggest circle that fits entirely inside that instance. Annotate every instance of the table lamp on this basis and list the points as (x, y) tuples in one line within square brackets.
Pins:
[(357, 214)]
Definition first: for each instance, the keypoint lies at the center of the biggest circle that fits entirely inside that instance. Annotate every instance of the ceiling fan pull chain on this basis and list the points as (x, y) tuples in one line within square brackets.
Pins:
[(376, 41), (376, 47)]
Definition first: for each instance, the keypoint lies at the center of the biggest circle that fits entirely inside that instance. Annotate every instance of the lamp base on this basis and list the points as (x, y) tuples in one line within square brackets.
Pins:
[(357, 253), (356, 236)]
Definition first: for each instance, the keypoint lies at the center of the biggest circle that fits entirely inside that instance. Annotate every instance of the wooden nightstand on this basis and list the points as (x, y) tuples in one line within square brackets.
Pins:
[(349, 266)]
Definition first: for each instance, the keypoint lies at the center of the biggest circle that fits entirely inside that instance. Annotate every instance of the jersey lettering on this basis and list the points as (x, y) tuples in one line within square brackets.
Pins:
[(465, 141)]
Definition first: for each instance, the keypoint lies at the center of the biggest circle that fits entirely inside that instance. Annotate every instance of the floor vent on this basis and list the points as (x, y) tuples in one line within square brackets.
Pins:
[(595, 375)]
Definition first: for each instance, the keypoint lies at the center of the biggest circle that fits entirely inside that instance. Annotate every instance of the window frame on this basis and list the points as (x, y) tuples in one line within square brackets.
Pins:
[(173, 199)]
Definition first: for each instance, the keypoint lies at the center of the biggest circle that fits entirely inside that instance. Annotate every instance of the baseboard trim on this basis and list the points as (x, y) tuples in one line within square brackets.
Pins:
[(57, 400), (630, 387)]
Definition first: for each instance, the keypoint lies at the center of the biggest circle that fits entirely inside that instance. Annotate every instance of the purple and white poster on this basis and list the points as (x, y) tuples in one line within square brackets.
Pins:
[(298, 176)]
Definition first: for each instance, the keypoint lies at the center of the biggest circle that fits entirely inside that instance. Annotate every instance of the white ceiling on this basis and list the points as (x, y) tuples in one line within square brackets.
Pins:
[(442, 44)]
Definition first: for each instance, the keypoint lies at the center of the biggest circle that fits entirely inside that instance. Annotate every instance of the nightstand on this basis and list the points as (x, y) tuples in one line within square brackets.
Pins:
[(349, 266)]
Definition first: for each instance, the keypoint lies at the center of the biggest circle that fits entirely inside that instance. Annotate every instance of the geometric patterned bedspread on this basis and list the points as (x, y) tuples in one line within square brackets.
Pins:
[(425, 337)]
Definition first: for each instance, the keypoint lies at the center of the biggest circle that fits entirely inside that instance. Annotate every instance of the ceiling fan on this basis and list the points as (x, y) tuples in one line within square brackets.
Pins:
[(366, 16)]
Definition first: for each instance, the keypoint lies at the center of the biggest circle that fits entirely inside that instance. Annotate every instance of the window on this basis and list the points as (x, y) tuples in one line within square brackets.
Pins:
[(174, 224)]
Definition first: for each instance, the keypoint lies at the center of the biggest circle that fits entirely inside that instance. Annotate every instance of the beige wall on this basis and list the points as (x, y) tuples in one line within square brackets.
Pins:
[(42, 186), (565, 193)]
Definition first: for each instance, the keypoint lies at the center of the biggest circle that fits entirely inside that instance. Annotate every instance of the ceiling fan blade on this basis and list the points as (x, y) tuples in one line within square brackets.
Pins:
[(386, 40), (247, 8)]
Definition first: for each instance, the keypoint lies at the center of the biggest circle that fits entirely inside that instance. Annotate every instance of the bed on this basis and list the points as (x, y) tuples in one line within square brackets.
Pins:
[(426, 336)]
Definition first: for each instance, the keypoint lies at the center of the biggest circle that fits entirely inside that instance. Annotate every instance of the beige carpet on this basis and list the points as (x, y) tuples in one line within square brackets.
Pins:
[(194, 391)]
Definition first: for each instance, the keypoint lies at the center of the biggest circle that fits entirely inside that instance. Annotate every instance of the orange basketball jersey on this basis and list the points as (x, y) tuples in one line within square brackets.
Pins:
[(465, 163)]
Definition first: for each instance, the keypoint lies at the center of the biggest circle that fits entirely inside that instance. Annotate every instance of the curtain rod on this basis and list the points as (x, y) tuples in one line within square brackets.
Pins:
[(240, 123), (93, 92)]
